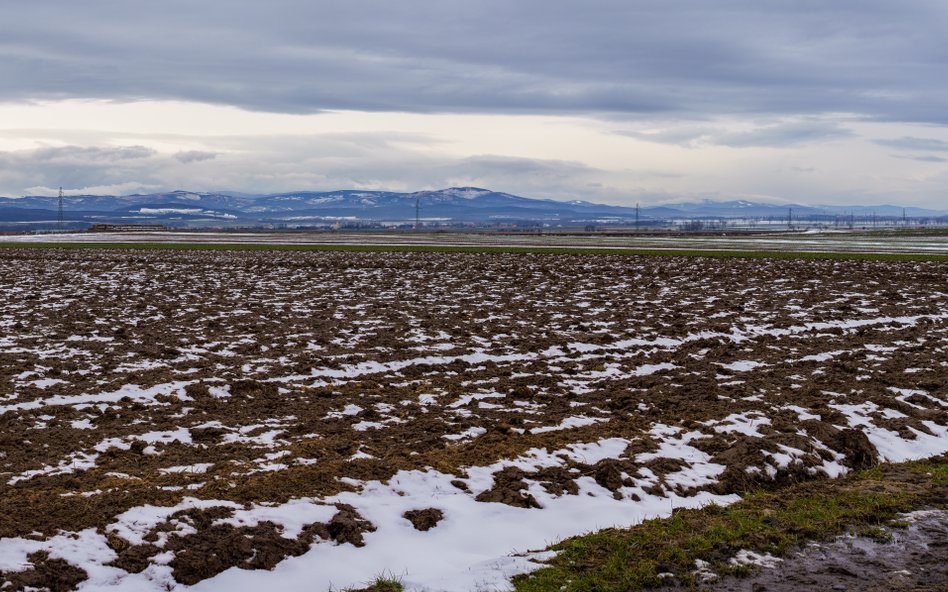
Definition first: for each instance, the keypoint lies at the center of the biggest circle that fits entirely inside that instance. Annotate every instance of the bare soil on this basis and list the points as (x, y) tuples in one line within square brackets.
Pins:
[(141, 377)]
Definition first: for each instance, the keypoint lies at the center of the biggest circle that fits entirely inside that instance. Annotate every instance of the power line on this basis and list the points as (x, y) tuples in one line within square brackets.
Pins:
[(61, 223)]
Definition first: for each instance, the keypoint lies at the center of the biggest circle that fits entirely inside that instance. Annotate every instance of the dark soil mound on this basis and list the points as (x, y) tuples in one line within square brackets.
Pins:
[(348, 525), (424, 519), (135, 558), (859, 451), (55, 575), (509, 488), (217, 548)]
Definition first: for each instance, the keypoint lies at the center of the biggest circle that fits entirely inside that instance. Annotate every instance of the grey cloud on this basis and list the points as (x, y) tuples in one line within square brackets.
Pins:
[(920, 158), (86, 154), (288, 163), (72, 166), (682, 136), (194, 156), (340, 145), (911, 143), (784, 135), (509, 165), (777, 135), (399, 162), (875, 58), (117, 189), (523, 176)]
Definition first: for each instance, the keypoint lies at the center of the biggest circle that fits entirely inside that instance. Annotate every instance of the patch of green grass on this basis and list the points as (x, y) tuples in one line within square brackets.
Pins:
[(875, 533), (938, 470), (764, 522), (386, 585), (491, 249), (381, 584)]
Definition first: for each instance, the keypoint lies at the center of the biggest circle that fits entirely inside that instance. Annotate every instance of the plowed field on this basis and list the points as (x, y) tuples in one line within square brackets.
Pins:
[(307, 420)]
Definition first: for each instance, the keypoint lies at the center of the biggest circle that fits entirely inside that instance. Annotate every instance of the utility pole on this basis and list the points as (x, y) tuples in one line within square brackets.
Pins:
[(904, 221), (636, 217), (61, 221), (790, 219), (417, 213)]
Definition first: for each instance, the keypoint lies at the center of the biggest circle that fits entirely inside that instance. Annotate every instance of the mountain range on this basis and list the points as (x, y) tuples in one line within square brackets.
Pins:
[(453, 205)]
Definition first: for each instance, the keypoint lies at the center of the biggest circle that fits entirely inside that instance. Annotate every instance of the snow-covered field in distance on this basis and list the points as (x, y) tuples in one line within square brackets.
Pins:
[(830, 242)]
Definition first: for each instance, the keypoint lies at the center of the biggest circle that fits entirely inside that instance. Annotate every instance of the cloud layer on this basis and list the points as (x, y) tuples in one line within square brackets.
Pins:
[(611, 100), (879, 59)]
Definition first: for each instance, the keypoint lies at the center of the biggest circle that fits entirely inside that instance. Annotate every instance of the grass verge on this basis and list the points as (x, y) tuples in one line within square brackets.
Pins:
[(773, 522), (489, 249)]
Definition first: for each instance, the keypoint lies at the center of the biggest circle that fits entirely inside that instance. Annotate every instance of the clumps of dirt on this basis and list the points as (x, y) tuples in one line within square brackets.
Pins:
[(259, 395), (608, 475), (625, 403), (641, 445), (250, 354), (855, 445), (134, 558), (210, 435), (202, 518), (197, 391), (662, 465), (347, 526), (852, 443), (54, 575), (212, 546), (212, 550), (748, 458), (509, 488), (743, 460), (557, 481), (424, 520)]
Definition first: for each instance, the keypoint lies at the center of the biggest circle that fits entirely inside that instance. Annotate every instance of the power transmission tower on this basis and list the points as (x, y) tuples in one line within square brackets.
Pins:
[(61, 222)]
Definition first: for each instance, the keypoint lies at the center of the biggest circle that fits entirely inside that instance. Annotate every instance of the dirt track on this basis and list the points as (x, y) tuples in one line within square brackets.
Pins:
[(913, 559), (133, 378)]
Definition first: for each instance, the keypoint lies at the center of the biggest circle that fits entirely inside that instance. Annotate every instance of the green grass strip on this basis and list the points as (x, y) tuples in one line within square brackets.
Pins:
[(846, 256), (764, 522)]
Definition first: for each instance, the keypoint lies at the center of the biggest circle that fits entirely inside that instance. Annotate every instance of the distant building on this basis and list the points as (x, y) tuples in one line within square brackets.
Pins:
[(126, 227)]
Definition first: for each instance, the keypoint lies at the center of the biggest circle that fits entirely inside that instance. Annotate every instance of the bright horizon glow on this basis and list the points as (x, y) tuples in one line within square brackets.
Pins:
[(606, 160)]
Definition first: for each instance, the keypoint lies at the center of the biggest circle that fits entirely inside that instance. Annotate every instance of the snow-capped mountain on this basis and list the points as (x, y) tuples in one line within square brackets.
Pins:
[(455, 204)]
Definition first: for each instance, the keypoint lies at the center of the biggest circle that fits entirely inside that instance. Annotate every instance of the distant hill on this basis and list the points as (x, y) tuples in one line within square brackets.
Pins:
[(750, 209), (455, 204)]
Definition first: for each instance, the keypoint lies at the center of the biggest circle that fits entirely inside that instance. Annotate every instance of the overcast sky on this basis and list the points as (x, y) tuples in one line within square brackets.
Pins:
[(618, 101)]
